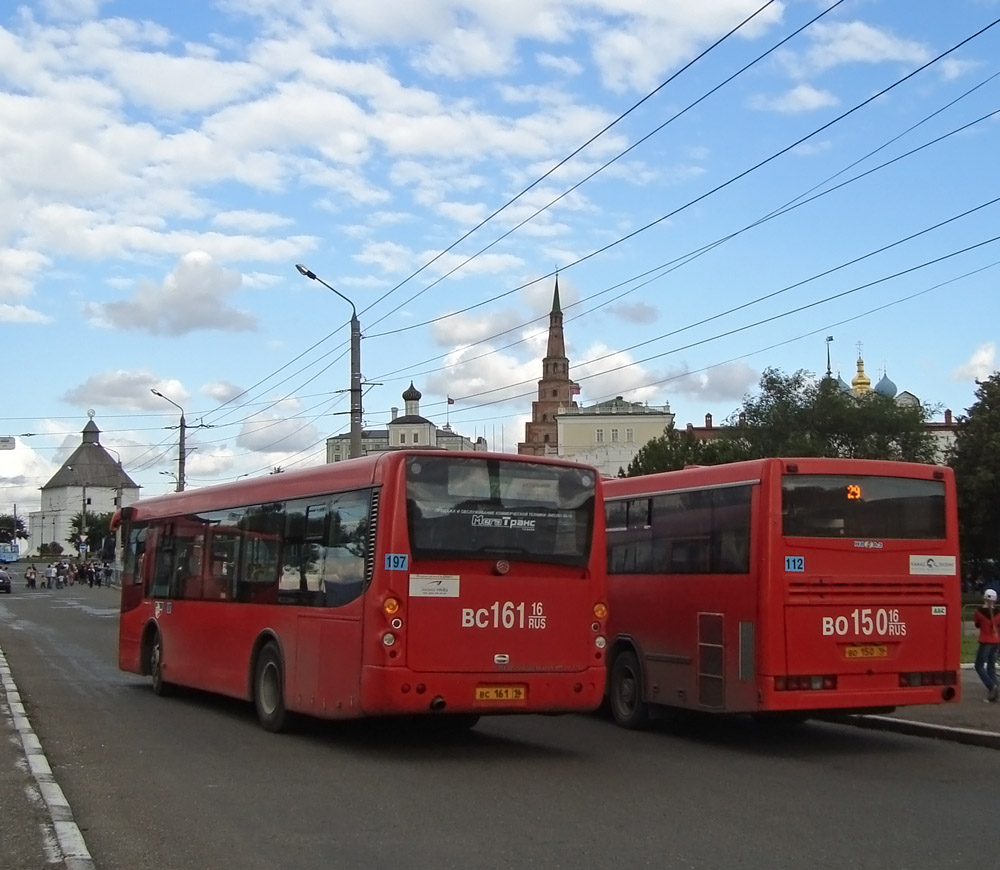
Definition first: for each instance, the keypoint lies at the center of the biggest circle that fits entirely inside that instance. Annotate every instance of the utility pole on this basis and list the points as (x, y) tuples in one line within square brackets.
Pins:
[(355, 451)]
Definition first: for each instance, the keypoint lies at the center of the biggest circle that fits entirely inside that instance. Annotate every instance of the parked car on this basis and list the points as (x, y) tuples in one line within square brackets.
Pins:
[(5, 584)]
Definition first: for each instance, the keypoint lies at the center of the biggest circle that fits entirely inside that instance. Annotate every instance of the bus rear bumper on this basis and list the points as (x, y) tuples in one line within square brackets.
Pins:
[(399, 691), (859, 701)]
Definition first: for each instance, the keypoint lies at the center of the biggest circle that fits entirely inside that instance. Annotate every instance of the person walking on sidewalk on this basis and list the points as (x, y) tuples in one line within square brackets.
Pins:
[(987, 620)]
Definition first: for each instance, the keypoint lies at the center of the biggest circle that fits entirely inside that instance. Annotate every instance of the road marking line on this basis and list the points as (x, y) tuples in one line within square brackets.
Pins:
[(71, 843)]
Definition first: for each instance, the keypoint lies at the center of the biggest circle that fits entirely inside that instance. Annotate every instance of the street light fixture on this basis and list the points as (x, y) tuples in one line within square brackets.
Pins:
[(355, 450), (180, 448)]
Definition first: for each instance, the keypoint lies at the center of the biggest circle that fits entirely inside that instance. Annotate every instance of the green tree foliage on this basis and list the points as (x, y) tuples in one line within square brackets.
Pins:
[(98, 528), (674, 450), (976, 460), (11, 529), (795, 415)]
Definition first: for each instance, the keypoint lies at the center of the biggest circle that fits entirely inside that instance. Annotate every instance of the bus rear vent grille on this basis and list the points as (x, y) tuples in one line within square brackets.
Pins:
[(858, 588)]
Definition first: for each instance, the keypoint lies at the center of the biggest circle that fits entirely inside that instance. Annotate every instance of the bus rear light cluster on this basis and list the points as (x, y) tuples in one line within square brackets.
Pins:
[(928, 678), (812, 682)]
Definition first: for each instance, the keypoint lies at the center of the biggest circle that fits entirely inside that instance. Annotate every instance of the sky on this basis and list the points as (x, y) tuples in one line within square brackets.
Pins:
[(720, 186)]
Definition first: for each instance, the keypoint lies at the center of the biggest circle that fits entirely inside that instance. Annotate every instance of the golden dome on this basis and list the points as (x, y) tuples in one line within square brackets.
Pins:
[(861, 383)]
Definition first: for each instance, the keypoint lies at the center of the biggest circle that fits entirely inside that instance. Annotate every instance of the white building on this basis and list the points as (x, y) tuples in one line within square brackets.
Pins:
[(90, 479), (409, 430), (608, 435)]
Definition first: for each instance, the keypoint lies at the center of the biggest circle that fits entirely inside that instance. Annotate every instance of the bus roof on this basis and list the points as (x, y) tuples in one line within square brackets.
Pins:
[(752, 470), (329, 477)]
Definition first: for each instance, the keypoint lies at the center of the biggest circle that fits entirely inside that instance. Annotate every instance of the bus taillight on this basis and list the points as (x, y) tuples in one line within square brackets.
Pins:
[(928, 678), (390, 606), (805, 683), (601, 610)]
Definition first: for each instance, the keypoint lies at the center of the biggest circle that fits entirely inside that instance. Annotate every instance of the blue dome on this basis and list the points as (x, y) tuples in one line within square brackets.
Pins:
[(885, 387)]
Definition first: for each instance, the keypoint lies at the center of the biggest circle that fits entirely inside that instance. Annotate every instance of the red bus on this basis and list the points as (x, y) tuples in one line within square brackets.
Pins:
[(409, 582), (782, 586)]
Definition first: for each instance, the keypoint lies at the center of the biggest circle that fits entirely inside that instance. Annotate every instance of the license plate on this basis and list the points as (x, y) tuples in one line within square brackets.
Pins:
[(867, 651), (501, 693)]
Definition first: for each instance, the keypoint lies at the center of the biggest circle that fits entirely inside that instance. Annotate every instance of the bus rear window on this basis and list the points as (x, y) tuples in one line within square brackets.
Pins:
[(855, 506), (477, 507)]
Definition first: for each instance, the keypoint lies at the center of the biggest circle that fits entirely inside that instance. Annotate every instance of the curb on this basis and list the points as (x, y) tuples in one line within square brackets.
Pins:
[(73, 848), (968, 736)]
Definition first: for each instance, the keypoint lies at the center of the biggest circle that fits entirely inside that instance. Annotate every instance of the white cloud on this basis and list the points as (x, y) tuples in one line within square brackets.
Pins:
[(562, 64), (835, 44), (125, 389), (801, 98), (980, 365), (21, 314), (278, 430), (190, 299), (634, 312), (729, 381)]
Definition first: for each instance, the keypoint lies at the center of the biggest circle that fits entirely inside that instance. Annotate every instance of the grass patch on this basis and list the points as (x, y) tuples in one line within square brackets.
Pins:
[(970, 644)]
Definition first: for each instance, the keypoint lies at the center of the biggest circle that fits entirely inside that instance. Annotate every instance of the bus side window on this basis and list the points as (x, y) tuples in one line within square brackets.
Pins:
[(163, 566), (346, 552)]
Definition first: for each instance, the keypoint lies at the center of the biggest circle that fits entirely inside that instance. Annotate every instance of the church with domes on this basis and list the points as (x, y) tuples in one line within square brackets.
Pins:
[(861, 384)]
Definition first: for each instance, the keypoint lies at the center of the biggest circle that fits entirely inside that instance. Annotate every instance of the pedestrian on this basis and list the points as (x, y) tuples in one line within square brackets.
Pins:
[(30, 576), (50, 575), (987, 620)]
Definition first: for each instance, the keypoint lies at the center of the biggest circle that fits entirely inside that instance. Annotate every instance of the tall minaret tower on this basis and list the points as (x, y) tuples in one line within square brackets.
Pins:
[(555, 390)]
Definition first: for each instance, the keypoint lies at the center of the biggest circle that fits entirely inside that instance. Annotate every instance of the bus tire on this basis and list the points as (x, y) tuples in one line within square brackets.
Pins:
[(625, 697), (160, 686), (269, 689)]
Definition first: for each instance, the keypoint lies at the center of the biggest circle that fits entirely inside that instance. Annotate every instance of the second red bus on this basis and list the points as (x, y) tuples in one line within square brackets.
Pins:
[(783, 586)]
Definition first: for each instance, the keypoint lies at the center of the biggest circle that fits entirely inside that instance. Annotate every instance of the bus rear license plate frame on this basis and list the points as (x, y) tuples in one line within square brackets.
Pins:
[(867, 651), (493, 694)]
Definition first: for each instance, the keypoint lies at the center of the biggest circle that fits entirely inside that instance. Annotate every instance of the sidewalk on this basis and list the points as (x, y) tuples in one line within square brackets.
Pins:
[(970, 721)]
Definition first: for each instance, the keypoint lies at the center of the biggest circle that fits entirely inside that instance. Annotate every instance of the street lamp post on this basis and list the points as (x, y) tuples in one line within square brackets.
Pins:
[(181, 451), (355, 451)]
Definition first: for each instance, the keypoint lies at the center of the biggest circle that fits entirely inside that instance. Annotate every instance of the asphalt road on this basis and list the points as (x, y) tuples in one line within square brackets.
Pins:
[(193, 782)]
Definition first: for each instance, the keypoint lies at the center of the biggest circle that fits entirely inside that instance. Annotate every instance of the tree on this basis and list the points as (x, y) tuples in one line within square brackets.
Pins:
[(796, 415), (674, 450), (98, 528), (11, 528), (975, 457)]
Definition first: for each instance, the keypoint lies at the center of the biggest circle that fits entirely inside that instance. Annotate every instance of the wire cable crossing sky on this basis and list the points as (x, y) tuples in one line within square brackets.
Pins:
[(755, 175)]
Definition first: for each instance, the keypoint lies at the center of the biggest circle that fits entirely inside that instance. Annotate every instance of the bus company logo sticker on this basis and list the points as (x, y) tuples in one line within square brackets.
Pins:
[(868, 545), (503, 521), (941, 565), (158, 609), (939, 610), (434, 585)]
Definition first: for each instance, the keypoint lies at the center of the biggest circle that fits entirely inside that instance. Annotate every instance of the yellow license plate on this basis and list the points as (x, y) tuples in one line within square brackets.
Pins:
[(867, 651), (501, 693)]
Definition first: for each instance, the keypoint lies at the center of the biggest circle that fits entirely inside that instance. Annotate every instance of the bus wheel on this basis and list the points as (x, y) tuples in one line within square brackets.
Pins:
[(160, 686), (269, 689), (625, 692)]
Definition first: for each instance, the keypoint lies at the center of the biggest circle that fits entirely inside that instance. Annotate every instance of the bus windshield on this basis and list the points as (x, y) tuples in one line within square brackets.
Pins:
[(471, 506), (859, 506)]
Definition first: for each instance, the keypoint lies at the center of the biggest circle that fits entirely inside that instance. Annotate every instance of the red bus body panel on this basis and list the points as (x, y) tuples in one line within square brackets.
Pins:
[(859, 611), (532, 628)]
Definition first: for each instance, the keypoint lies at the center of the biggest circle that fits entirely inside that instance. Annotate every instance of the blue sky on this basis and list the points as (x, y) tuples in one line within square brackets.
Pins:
[(166, 165)]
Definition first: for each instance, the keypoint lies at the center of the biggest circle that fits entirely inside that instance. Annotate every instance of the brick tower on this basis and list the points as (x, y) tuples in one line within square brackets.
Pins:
[(555, 390)]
